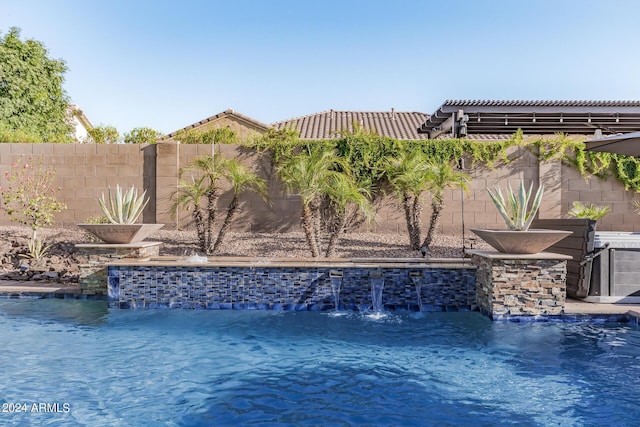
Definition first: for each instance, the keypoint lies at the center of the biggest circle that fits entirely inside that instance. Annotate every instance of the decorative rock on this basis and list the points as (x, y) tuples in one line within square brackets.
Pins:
[(51, 275)]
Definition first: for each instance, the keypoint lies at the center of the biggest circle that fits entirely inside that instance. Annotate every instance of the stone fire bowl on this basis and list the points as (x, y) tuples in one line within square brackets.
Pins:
[(531, 241), (121, 233)]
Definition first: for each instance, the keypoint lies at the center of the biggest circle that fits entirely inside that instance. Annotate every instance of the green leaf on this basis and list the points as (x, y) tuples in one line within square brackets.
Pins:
[(516, 211), (123, 208)]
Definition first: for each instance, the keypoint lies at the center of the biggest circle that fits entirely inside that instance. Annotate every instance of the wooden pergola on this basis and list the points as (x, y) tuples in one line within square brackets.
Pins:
[(468, 117)]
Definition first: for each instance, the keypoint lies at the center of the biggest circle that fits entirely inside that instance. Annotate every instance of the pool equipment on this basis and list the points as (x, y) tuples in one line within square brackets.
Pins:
[(615, 275)]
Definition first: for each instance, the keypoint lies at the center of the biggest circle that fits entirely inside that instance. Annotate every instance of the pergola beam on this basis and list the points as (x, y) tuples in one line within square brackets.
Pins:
[(536, 117)]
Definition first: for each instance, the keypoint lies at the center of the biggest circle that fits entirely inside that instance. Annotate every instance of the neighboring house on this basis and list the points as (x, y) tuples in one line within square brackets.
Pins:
[(483, 120), (491, 119), (329, 124), (323, 125), (242, 125), (80, 122)]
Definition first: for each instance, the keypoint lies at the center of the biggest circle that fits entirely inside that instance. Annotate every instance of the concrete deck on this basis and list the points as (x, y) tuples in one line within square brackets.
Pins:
[(17, 288), (579, 307)]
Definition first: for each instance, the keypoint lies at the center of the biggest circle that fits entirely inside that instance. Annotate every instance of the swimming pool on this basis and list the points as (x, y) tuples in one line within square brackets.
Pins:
[(242, 367)]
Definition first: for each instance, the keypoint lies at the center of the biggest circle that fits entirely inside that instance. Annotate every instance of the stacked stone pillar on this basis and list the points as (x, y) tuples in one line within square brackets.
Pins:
[(512, 285), (96, 256)]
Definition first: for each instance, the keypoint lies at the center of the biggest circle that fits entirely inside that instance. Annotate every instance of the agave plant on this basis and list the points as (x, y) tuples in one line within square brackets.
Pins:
[(123, 208), (37, 250), (515, 208), (591, 211)]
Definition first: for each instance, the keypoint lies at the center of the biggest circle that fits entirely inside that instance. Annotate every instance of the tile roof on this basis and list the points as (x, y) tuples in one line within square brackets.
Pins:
[(225, 113), (327, 124)]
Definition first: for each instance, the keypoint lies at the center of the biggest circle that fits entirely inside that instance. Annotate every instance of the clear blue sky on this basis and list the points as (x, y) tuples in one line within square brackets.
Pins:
[(166, 64)]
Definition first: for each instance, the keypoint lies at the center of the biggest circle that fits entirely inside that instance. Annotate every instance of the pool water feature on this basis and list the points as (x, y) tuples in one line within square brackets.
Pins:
[(416, 278), (377, 286), (240, 367), (291, 284), (336, 284)]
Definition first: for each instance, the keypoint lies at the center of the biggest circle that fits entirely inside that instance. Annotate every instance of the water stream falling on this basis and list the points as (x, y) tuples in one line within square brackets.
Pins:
[(416, 278), (377, 285), (195, 258), (336, 284)]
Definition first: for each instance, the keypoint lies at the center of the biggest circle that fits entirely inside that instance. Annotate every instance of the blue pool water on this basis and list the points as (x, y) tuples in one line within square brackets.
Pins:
[(217, 368)]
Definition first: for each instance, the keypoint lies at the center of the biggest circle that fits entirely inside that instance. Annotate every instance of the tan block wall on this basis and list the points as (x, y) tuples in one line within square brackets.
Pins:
[(280, 213), (601, 192), (84, 171)]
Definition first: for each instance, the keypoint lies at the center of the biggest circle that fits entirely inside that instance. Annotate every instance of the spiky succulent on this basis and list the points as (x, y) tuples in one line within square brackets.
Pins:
[(123, 208), (591, 211), (515, 207)]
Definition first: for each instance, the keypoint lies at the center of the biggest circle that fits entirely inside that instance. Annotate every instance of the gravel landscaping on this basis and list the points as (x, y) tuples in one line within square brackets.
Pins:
[(62, 261)]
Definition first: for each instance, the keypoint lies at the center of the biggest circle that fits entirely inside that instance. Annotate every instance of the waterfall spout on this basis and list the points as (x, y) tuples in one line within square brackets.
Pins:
[(416, 278), (377, 285), (336, 284)]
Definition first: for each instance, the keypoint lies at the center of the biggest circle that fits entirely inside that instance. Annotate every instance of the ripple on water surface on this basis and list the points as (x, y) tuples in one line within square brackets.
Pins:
[(198, 368)]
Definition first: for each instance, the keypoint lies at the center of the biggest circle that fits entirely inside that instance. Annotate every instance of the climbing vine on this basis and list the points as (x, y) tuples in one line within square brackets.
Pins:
[(483, 152), (627, 170), (365, 152), (572, 152)]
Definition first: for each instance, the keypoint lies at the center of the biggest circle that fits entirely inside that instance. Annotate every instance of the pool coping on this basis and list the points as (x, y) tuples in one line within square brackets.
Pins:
[(18, 289), (266, 262)]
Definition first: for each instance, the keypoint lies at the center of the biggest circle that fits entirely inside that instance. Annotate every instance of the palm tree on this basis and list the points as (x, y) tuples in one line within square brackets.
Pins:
[(241, 179), (209, 172), (342, 193), (408, 176), (366, 152), (309, 174), (189, 195), (211, 169), (440, 176), (411, 174)]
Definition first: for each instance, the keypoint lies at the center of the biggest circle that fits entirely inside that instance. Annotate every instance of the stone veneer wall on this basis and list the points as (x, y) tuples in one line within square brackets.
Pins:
[(93, 268), (287, 288), (528, 286)]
